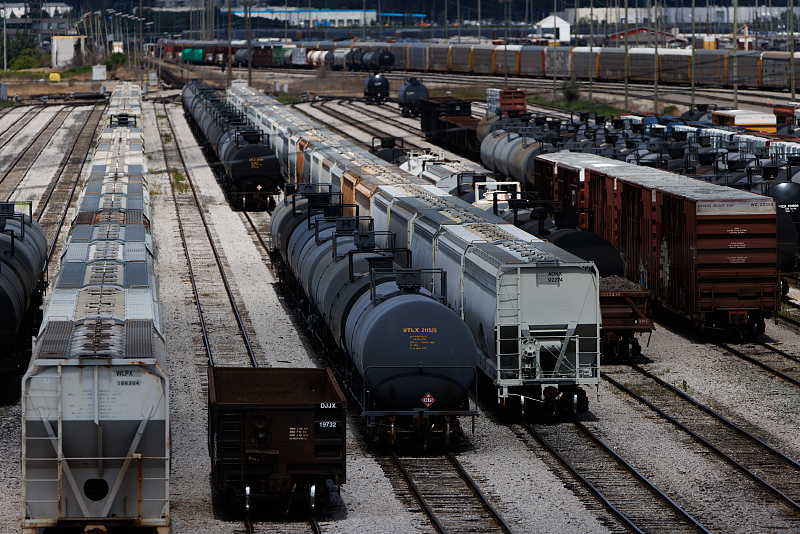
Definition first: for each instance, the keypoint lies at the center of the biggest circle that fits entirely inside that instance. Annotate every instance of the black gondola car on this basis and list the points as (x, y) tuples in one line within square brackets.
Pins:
[(276, 433)]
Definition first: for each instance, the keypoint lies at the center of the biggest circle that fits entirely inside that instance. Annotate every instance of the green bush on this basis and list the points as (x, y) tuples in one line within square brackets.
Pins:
[(571, 89), (24, 62), (117, 59)]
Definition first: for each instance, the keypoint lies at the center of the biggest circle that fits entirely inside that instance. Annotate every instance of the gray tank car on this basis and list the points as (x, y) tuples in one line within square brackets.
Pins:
[(407, 359)]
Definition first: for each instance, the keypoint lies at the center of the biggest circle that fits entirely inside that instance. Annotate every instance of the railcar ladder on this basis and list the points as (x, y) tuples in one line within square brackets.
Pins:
[(507, 321), (231, 447), (29, 444)]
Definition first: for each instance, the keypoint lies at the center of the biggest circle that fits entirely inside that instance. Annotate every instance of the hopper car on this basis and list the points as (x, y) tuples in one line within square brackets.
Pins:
[(95, 398), (529, 355), (713, 68), (248, 169)]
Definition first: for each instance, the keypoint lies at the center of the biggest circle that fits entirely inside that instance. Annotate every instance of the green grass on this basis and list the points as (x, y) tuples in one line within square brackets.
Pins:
[(166, 138), (578, 105), (286, 98), (23, 75), (74, 71), (6, 103), (179, 181)]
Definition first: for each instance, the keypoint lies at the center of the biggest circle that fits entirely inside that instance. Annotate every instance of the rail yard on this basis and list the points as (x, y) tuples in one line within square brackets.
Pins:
[(685, 421)]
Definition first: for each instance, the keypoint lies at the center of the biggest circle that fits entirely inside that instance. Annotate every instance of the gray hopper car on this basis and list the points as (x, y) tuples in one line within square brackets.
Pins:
[(276, 433)]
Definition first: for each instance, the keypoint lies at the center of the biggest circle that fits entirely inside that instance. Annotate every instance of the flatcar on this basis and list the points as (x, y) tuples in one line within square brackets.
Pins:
[(517, 355), (248, 169), (95, 398)]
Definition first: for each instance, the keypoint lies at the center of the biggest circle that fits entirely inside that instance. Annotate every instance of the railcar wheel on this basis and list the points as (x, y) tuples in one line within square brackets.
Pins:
[(573, 409), (312, 499), (447, 434)]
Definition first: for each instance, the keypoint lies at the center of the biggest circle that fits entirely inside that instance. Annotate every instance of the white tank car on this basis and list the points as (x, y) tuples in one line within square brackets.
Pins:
[(95, 398), (532, 308)]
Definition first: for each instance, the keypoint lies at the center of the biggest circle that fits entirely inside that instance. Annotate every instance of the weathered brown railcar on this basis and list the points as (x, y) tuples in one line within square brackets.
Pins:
[(276, 433)]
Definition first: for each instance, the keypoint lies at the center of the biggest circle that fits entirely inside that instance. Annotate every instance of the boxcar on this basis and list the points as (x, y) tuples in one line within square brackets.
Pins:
[(775, 69), (484, 60), (707, 252), (508, 59), (275, 432), (439, 57), (748, 66), (710, 67), (418, 56), (584, 59), (531, 60), (642, 64), (613, 62), (675, 65), (559, 61), (460, 55), (400, 51)]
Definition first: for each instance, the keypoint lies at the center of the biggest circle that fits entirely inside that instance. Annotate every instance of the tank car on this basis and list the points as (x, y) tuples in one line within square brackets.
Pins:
[(23, 252), (377, 60), (406, 358), (248, 168), (376, 88), (409, 94), (95, 398)]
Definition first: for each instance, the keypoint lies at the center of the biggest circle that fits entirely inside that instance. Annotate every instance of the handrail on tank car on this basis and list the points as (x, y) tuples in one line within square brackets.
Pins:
[(410, 277), (344, 225)]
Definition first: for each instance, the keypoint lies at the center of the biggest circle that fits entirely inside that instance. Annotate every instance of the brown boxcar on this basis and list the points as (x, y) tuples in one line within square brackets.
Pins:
[(706, 252), (276, 433)]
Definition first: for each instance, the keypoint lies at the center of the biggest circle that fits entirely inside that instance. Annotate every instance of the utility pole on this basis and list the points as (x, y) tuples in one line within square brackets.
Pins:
[(591, 49), (655, 59), (791, 48), (458, 14), (285, 20), (364, 20), (445, 19), (249, 8), (141, 43), (229, 60), (627, 64), (694, 48), (479, 21), (5, 55), (735, 57), (555, 51)]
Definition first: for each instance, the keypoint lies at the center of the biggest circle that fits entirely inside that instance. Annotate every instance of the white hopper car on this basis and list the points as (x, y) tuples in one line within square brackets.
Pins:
[(95, 398)]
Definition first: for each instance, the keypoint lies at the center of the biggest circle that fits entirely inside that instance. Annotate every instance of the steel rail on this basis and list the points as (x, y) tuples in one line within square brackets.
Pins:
[(217, 257), (722, 454), (43, 205), (74, 187), (479, 494), (422, 502), (13, 166), (758, 363), (629, 468)]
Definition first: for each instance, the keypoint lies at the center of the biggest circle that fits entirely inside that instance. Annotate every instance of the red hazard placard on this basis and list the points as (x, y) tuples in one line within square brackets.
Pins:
[(258, 187), (428, 399)]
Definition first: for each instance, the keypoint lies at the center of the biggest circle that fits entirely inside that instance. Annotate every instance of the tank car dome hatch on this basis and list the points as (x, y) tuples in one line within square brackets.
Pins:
[(591, 247)]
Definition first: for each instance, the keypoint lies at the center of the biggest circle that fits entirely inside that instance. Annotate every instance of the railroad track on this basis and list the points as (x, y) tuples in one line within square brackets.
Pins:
[(203, 259), (364, 109), (450, 498), (623, 490), (361, 125), (62, 191), (770, 358), (24, 118), (769, 468), (18, 168)]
